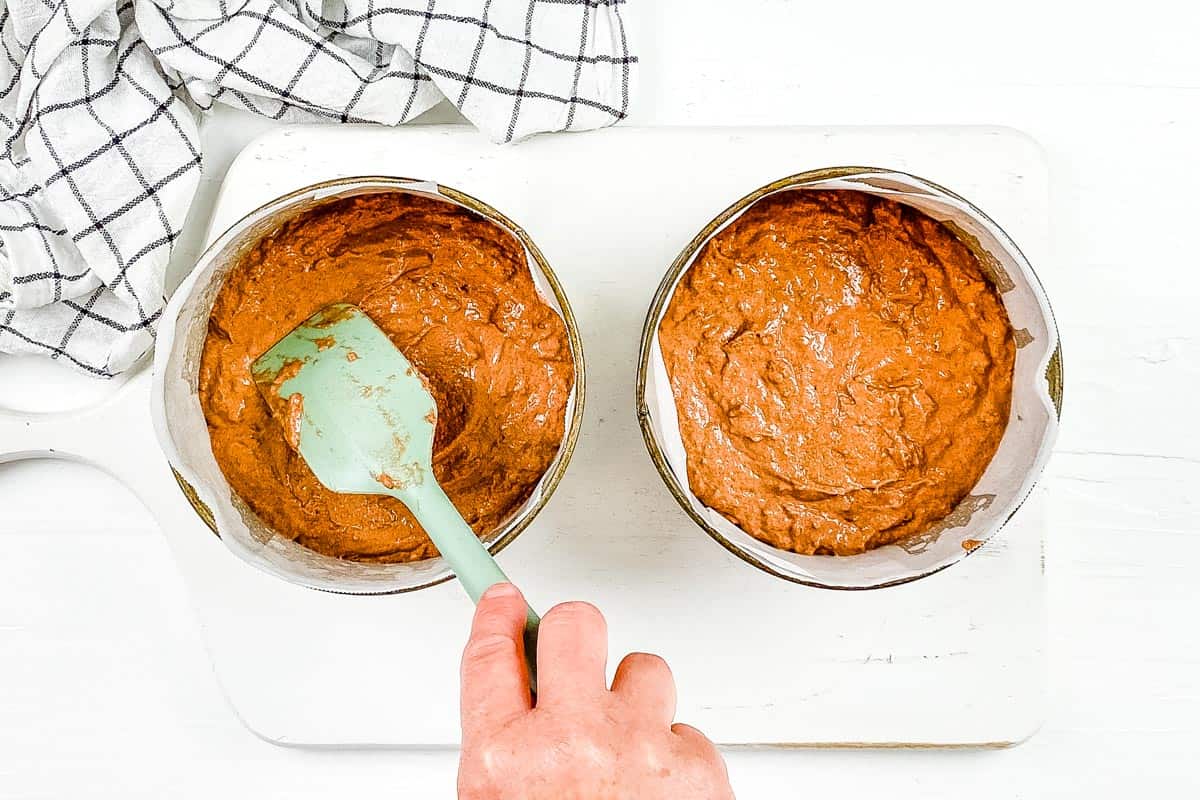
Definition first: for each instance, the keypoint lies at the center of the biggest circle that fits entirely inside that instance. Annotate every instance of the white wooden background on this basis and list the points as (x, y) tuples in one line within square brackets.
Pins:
[(1115, 99)]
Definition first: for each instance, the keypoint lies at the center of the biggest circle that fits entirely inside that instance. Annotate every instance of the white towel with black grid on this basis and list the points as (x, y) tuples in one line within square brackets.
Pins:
[(101, 157)]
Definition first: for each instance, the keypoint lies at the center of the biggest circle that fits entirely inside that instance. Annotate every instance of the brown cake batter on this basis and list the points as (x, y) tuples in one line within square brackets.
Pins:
[(453, 291), (842, 371)]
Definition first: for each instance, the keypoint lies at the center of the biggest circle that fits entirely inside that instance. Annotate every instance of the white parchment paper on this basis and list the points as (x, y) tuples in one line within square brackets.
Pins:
[(1019, 460), (183, 432)]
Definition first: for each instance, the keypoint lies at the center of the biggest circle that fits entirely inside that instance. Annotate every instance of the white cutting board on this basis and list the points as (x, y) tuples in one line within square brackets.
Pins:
[(954, 659)]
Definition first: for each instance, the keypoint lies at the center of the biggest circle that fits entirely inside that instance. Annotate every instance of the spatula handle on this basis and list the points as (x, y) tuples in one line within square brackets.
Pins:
[(466, 555)]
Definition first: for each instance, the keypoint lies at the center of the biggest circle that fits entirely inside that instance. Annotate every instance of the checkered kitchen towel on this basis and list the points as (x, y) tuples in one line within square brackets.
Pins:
[(100, 156)]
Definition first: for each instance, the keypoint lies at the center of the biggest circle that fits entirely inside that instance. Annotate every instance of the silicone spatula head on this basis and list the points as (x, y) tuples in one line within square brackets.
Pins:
[(351, 404)]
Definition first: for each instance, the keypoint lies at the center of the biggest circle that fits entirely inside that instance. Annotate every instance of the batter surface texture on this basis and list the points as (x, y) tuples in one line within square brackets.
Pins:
[(842, 370), (453, 291)]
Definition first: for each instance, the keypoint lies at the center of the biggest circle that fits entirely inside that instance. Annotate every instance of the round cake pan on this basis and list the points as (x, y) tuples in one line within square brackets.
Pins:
[(1013, 470), (183, 434)]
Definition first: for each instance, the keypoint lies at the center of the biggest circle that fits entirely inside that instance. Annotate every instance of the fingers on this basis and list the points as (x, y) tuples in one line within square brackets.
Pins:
[(646, 683), (694, 739), (495, 686), (572, 653), (711, 770)]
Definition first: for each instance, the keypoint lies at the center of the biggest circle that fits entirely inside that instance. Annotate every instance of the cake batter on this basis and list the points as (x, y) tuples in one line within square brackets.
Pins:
[(453, 291), (842, 370)]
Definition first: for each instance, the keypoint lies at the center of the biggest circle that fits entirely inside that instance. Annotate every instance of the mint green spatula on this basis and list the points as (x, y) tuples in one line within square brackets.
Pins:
[(363, 419)]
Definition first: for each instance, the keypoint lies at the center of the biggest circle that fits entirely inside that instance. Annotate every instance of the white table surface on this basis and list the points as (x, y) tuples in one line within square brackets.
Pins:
[(1115, 100)]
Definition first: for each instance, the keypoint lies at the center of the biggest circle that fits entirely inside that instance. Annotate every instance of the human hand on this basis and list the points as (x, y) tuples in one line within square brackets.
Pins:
[(581, 740)]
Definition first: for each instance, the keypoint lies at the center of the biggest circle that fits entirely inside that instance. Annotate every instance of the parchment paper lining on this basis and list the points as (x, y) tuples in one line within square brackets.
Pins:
[(1018, 461), (183, 431)]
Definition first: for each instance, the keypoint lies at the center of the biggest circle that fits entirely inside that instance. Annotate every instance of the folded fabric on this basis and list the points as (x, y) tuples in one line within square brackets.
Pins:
[(98, 105)]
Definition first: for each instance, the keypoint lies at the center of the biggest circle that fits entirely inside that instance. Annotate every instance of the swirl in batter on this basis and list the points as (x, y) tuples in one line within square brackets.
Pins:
[(453, 291)]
